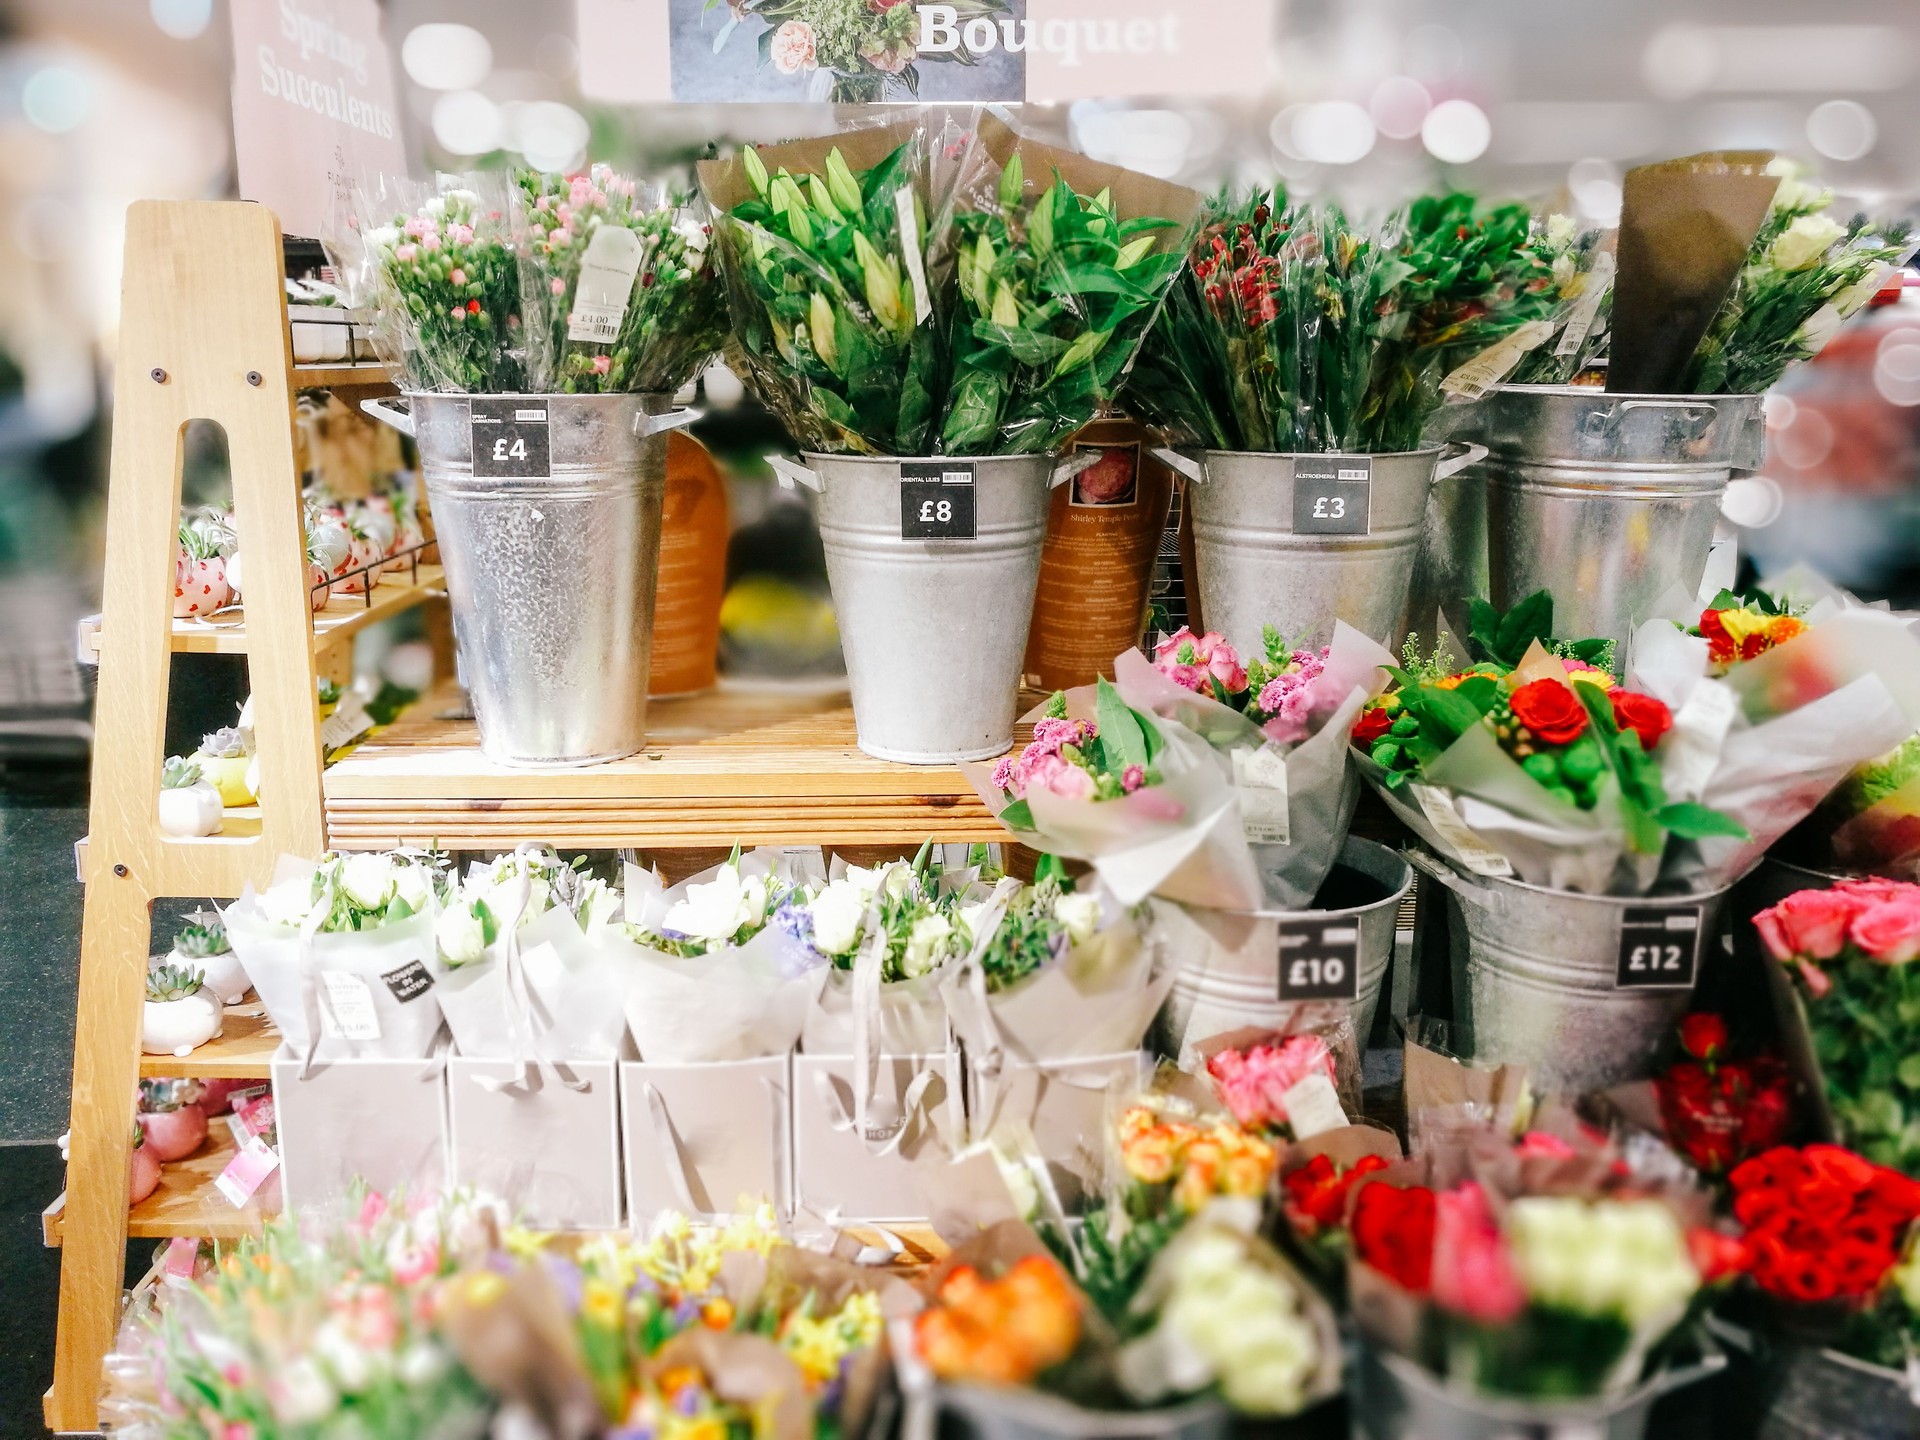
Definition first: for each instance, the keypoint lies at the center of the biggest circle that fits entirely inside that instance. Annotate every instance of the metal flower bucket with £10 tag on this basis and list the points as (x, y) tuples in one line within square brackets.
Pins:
[(933, 565), (1299, 541), (1608, 501), (1584, 990), (547, 509)]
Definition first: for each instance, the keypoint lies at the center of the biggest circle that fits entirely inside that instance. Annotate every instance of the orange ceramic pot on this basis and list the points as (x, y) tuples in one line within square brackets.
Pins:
[(693, 571)]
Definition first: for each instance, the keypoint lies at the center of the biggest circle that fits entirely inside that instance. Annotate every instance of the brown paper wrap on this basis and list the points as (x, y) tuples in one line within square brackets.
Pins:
[(1135, 196), (725, 182), (518, 1342), (745, 1370)]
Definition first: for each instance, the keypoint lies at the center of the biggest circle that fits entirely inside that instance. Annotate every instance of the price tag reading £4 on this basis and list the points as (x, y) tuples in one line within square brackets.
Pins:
[(509, 437), (1659, 948), (936, 500), (1332, 494), (607, 273), (1320, 962)]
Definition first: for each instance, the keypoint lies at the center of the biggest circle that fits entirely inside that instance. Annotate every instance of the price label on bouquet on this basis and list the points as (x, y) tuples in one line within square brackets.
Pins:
[(1332, 494), (936, 500), (1659, 948), (509, 438), (1320, 962)]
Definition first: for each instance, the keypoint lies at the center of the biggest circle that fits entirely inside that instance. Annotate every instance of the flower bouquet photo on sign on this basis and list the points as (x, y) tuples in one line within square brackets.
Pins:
[(849, 52)]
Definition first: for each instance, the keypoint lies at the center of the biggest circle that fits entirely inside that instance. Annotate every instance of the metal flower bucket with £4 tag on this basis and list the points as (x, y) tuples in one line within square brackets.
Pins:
[(1584, 990), (933, 565), (1609, 501), (1299, 541), (547, 509)]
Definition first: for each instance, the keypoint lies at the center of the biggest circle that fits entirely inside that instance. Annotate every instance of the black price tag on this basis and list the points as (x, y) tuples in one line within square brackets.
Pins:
[(1332, 494), (409, 982), (1659, 948), (936, 500), (509, 437), (1320, 962)]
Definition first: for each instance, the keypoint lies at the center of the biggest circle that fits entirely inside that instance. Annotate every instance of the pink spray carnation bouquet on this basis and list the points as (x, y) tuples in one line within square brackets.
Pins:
[(1277, 691)]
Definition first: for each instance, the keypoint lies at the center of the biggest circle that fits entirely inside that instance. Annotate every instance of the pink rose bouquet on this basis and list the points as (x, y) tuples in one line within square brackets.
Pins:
[(1255, 1082), (1846, 955)]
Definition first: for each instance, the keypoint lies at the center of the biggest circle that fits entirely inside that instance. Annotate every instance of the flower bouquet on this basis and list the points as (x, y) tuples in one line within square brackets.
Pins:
[(714, 967), (1718, 1111), (854, 52), (1278, 728), (1139, 797), (342, 954), (618, 285)]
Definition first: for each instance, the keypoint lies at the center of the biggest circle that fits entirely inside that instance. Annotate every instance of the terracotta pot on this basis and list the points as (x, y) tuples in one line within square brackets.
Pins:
[(174, 1134), (693, 572), (1096, 574)]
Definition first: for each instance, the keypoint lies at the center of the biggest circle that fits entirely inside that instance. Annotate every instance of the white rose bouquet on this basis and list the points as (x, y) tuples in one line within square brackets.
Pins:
[(342, 953), (711, 974)]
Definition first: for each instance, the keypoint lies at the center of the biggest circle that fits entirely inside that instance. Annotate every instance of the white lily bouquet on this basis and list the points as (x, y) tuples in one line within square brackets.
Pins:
[(715, 968), (342, 953), (519, 973), (1278, 728)]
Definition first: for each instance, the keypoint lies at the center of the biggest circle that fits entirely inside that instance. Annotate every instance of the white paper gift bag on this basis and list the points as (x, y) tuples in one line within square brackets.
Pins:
[(853, 1170), (706, 1138), (549, 1148), (348, 1120), (1063, 1105), (911, 1017)]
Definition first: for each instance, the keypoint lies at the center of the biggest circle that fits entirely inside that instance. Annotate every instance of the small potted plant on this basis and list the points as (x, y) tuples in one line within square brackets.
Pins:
[(223, 758), (189, 806), (171, 1119), (143, 1169), (202, 945), (180, 1013), (199, 575)]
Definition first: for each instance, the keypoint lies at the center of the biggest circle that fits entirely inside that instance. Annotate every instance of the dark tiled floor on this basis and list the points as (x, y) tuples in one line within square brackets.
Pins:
[(29, 1286)]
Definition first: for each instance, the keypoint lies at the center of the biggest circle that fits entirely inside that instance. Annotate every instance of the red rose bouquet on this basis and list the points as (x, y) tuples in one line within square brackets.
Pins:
[(1849, 984), (1718, 1111)]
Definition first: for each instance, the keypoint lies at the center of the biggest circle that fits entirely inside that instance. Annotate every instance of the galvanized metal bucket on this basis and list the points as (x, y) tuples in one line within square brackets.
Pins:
[(1395, 1399), (934, 629), (1609, 501), (1230, 980), (1538, 976), (1797, 1392), (1262, 560), (981, 1412), (551, 572)]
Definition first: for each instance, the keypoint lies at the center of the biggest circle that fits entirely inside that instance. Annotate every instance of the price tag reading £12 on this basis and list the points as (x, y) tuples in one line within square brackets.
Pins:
[(1659, 948)]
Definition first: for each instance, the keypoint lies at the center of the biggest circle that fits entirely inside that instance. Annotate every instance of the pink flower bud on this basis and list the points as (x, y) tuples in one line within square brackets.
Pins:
[(458, 277), (558, 286), (602, 364), (404, 253)]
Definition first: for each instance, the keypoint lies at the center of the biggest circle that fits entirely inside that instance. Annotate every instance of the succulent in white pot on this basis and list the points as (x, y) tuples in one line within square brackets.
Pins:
[(172, 1118), (189, 806), (202, 945), (223, 758), (180, 1013)]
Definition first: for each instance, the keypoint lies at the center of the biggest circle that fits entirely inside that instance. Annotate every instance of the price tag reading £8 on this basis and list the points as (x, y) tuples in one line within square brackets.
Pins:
[(1332, 494), (936, 500), (1659, 948), (508, 435), (1320, 961)]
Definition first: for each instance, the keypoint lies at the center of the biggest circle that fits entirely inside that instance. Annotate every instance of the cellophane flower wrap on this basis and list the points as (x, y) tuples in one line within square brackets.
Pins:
[(621, 293), (715, 969), (333, 947), (1547, 768), (1138, 797), (1805, 275), (1061, 265), (1278, 725), (437, 267), (519, 969), (1718, 1109), (1771, 712)]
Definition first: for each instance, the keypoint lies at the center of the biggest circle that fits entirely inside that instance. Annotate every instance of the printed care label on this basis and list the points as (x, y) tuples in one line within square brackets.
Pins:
[(409, 982), (1332, 494), (1493, 364), (349, 1009), (607, 273), (1260, 782), (1320, 962), (1313, 1107), (1457, 837), (936, 500), (903, 205), (1659, 948), (509, 437), (182, 1251), (1595, 287), (247, 1171)]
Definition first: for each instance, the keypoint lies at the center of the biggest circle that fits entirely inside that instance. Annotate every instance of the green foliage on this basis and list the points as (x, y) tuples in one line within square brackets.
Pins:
[(178, 773), (1504, 639), (202, 940), (1865, 1031)]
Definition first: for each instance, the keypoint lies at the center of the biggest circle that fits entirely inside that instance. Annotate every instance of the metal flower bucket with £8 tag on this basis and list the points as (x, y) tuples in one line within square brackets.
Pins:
[(1584, 990), (1299, 541), (933, 565), (547, 509)]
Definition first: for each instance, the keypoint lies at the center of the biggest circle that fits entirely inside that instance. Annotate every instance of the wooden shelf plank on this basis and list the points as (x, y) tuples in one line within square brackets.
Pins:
[(186, 1202), (765, 765), (242, 1051), (344, 617), (367, 374)]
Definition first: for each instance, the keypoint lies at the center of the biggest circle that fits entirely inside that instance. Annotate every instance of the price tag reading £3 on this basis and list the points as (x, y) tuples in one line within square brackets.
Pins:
[(1332, 494)]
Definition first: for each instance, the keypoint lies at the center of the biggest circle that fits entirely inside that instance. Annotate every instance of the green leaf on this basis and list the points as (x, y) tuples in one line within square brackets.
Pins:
[(1446, 711), (1013, 182), (1909, 1073), (1017, 816), (1120, 728), (1692, 821), (756, 169)]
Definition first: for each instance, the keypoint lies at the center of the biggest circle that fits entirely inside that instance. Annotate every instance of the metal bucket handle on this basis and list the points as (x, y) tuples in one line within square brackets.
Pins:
[(1466, 452), (792, 472), (647, 426), (399, 419), (1194, 470), (1600, 423)]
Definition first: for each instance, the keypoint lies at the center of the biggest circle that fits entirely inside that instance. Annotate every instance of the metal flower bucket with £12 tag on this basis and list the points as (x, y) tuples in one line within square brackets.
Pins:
[(547, 509), (933, 565), (1584, 990), (1299, 541)]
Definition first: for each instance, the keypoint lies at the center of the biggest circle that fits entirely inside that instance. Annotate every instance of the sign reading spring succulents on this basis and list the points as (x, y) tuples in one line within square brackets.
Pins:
[(1332, 494), (936, 500), (1320, 962), (509, 437), (1659, 948)]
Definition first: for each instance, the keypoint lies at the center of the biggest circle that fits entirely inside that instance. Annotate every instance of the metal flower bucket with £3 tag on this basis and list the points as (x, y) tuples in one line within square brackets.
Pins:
[(1609, 501), (547, 509), (1299, 541), (933, 565), (1584, 990)]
